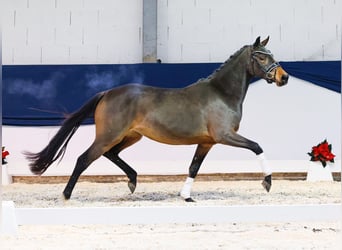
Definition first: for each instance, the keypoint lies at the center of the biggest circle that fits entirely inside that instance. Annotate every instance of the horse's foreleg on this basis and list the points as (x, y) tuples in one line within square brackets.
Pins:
[(266, 169), (201, 151), (236, 140)]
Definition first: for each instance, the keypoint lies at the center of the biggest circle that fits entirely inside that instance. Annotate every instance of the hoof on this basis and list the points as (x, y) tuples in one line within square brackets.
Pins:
[(189, 200), (267, 182), (66, 196), (132, 185)]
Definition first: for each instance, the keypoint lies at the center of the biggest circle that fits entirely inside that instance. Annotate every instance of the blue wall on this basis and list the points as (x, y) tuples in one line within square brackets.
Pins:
[(41, 94)]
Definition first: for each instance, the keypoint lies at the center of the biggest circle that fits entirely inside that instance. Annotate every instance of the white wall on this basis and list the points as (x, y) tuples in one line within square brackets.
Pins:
[(209, 31), (110, 31), (71, 31)]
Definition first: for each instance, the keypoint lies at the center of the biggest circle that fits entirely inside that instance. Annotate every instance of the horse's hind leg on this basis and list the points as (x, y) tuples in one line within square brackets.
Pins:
[(112, 155), (201, 151), (83, 161)]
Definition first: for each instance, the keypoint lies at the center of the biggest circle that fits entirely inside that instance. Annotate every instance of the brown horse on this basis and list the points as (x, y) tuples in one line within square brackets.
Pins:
[(204, 113)]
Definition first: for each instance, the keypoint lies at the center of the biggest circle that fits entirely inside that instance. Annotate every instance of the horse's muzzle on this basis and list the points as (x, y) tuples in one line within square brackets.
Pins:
[(281, 77)]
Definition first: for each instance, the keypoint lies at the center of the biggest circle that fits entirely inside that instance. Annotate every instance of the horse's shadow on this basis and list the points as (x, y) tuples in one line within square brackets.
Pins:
[(161, 197)]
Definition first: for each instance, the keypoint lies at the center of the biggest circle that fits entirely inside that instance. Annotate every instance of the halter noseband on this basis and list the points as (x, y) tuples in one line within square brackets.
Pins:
[(268, 68)]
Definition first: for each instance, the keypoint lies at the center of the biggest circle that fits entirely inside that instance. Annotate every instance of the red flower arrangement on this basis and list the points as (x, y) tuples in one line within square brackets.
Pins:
[(4, 154), (322, 152)]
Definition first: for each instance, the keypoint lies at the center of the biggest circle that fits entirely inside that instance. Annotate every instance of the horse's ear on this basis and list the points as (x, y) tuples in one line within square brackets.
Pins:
[(263, 43), (257, 42)]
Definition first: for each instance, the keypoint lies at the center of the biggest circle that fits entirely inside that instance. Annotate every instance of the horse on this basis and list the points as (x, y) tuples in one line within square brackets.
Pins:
[(205, 113)]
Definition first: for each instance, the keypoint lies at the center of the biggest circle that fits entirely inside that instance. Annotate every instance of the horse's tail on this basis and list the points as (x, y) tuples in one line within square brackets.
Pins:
[(39, 162)]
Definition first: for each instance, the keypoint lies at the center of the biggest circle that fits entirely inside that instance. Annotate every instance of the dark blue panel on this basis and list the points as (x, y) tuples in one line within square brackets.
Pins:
[(42, 94), (326, 74)]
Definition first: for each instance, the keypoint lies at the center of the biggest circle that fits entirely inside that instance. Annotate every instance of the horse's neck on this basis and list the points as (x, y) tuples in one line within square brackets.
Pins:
[(233, 79)]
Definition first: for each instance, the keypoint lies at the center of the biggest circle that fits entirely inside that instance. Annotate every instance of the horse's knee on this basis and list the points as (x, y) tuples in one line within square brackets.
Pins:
[(256, 148)]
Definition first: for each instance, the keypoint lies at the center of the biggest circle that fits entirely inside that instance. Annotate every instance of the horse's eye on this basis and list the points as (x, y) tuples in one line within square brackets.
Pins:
[(262, 57)]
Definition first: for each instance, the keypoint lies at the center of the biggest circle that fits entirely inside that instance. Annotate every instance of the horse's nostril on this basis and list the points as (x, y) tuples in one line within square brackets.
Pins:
[(284, 78)]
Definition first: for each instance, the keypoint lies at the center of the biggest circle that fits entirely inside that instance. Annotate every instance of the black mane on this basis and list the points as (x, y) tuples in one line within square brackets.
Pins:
[(212, 75)]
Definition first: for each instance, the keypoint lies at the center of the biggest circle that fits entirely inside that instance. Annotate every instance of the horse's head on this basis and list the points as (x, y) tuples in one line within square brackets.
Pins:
[(263, 64)]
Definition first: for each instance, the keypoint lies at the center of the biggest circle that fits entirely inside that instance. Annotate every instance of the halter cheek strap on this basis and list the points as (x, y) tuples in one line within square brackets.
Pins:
[(266, 69), (270, 77), (270, 67)]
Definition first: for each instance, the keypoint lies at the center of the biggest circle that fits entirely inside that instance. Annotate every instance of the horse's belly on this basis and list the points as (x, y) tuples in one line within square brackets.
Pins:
[(173, 136), (172, 140)]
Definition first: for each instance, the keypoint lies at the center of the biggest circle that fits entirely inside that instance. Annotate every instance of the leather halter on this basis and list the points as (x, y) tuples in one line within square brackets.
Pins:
[(268, 68)]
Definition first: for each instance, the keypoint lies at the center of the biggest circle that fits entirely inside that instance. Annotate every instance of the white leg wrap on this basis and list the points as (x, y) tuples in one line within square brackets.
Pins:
[(185, 192), (266, 169)]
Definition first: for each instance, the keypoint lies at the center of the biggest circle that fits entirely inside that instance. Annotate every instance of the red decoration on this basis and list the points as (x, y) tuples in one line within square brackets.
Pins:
[(4, 153), (322, 152)]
